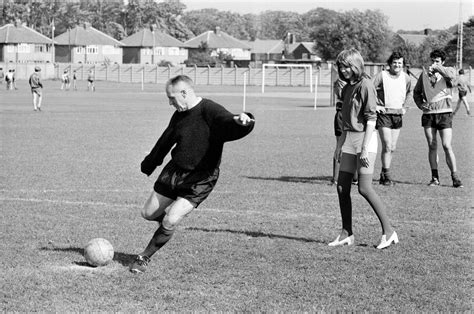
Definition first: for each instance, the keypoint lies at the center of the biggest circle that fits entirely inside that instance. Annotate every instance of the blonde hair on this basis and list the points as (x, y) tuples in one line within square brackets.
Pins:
[(351, 58)]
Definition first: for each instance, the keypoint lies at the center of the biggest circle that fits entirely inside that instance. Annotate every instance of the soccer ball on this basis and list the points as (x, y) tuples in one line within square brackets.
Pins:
[(98, 252)]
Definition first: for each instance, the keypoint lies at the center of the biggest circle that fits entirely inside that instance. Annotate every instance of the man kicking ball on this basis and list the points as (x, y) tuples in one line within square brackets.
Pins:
[(195, 135)]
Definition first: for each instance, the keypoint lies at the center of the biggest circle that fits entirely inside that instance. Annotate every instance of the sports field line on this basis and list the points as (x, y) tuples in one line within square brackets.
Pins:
[(282, 214), (147, 191)]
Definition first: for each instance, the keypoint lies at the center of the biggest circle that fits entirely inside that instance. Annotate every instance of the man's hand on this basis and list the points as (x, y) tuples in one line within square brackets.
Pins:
[(380, 109), (243, 119)]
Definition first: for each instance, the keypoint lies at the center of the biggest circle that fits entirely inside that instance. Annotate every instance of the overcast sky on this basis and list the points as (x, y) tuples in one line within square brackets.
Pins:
[(402, 14)]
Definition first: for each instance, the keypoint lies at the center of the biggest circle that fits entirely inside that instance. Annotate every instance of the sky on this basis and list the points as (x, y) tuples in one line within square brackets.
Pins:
[(402, 14)]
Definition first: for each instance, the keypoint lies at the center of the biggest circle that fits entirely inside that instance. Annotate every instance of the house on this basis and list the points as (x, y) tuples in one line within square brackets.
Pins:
[(304, 51), (265, 51), (85, 44), (150, 46), (19, 43), (219, 43), (409, 39), (280, 51)]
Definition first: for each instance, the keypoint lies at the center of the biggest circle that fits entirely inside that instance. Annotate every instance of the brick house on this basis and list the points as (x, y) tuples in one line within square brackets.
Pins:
[(149, 46), (19, 43), (220, 42), (85, 44)]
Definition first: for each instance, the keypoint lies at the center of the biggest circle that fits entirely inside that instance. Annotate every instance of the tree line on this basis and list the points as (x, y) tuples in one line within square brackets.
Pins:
[(367, 31)]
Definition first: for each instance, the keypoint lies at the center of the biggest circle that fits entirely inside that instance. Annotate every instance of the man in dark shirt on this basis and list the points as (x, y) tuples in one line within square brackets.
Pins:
[(36, 88), (195, 135)]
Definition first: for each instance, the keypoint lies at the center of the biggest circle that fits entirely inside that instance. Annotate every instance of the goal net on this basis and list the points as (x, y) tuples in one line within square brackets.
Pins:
[(291, 74)]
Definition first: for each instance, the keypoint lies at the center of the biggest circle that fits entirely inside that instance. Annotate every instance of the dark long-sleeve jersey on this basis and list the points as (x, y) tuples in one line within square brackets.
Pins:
[(196, 137)]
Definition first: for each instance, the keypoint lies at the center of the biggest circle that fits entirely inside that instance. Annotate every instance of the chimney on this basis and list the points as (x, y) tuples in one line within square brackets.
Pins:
[(427, 31), (18, 23), (217, 30), (87, 25)]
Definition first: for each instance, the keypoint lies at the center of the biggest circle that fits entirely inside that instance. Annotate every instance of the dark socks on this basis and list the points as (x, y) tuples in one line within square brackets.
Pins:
[(345, 203), (160, 238), (434, 173), (368, 192)]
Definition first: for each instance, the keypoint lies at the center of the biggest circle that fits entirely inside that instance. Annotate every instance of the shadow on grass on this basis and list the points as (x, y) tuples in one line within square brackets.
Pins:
[(318, 180), (123, 258), (314, 180), (256, 234)]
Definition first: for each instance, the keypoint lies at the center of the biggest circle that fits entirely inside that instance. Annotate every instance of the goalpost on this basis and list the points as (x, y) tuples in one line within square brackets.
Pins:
[(290, 65)]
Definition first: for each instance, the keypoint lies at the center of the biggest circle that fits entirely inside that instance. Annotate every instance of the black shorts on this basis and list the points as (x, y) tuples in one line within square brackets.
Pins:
[(438, 121), (462, 93), (194, 186), (338, 123), (391, 121)]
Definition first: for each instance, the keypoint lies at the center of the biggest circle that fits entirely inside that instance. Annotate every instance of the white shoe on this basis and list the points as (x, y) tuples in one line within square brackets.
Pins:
[(347, 240), (384, 243)]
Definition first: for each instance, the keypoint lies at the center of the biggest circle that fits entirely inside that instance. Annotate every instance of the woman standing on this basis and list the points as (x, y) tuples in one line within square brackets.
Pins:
[(357, 147)]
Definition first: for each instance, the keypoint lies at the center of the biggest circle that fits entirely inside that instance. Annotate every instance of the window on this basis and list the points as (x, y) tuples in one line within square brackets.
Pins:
[(23, 48), (173, 51), (41, 48), (10, 48), (159, 51), (92, 50), (80, 50)]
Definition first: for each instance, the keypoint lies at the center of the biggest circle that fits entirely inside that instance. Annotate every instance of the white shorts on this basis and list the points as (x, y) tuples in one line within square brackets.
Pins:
[(353, 143)]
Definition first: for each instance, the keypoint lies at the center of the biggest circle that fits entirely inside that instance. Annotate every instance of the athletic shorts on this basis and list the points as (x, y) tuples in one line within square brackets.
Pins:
[(353, 143), (438, 121), (391, 121), (36, 91), (90, 81), (338, 123), (194, 186), (462, 94)]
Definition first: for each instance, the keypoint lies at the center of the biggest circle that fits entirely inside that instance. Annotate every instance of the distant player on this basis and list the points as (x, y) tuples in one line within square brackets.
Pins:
[(9, 79), (195, 135), (393, 90), (90, 81), (65, 80), (36, 88), (463, 87), (74, 80), (433, 95)]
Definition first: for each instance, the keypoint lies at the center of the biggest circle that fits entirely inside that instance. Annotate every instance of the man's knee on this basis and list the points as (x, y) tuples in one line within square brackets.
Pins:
[(171, 221), (147, 213)]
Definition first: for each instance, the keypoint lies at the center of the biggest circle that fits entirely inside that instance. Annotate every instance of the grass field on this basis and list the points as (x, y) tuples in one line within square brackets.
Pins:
[(257, 244)]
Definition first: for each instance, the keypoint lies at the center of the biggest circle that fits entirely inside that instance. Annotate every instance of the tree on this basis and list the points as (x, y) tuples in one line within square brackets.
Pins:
[(438, 41), (234, 24), (277, 24), (366, 31)]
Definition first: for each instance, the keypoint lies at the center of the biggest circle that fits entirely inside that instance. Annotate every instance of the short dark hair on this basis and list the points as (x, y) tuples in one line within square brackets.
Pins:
[(180, 78), (395, 55), (437, 53), (461, 71)]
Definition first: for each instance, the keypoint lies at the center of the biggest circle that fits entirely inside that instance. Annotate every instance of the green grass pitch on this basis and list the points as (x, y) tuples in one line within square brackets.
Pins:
[(258, 244)]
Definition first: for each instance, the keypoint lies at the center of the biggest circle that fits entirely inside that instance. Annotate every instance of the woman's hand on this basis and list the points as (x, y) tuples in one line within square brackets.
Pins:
[(364, 157)]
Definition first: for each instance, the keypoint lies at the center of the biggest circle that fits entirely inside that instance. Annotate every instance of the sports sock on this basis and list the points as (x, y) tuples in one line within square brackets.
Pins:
[(434, 173), (160, 238), (385, 170), (345, 203), (368, 192)]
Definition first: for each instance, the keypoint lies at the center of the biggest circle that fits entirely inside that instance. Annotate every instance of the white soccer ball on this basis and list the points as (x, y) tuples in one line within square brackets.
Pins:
[(98, 252)]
